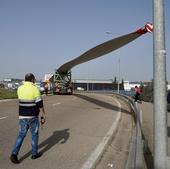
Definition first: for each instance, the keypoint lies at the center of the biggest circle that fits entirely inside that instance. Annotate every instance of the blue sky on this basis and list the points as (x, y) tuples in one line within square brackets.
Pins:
[(40, 35)]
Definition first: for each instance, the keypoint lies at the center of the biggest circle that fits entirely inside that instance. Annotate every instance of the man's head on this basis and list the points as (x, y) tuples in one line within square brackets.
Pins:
[(29, 77)]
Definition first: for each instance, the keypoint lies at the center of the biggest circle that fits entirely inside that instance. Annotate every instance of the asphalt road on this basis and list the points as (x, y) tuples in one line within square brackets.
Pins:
[(76, 125), (117, 151)]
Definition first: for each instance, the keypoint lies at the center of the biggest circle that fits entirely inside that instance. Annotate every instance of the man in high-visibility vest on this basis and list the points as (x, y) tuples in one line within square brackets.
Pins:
[(30, 109)]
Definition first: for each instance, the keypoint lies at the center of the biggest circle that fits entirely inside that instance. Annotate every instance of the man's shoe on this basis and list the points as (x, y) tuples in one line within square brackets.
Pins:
[(36, 156), (14, 159)]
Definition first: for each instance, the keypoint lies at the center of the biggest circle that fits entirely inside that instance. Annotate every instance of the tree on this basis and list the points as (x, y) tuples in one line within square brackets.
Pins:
[(147, 92), (122, 85), (115, 84)]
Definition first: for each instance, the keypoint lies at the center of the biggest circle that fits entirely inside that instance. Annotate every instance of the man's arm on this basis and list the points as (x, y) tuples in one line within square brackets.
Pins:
[(42, 115), (40, 105)]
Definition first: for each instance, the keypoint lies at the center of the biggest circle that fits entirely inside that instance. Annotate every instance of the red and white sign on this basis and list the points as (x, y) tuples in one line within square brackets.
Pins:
[(149, 27)]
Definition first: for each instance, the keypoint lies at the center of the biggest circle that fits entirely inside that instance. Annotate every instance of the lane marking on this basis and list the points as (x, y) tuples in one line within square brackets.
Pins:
[(7, 100), (3, 117), (55, 104), (97, 153)]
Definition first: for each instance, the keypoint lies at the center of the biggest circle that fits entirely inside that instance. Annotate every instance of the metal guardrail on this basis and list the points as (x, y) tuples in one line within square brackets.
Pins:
[(139, 145), (136, 155)]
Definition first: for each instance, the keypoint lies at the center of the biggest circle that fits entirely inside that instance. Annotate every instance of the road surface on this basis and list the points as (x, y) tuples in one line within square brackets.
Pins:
[(77, 126)]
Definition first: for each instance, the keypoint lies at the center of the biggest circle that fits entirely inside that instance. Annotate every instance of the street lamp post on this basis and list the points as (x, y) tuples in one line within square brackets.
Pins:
[(118, 84), (160, 116)]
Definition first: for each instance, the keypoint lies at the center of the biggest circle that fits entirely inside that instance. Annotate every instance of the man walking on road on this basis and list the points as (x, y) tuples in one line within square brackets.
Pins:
[(30, 107)]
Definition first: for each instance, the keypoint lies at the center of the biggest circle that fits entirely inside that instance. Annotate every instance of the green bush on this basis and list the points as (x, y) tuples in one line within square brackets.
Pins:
[(8, 94), (147, 92)]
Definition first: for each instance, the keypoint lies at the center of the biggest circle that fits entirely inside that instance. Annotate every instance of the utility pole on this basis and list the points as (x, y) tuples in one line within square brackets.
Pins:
[(160, 103)]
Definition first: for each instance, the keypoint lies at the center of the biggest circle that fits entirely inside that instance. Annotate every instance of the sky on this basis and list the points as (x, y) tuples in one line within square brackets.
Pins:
[(39, 36)]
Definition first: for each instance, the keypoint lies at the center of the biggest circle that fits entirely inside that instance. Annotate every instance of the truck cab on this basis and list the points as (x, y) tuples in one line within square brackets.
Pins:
[(62, 83)]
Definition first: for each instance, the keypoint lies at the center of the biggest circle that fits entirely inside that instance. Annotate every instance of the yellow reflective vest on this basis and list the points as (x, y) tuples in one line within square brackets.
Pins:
[(30, 99)]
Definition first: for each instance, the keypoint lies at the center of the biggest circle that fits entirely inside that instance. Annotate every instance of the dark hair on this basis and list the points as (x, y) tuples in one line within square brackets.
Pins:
[(29, 77)]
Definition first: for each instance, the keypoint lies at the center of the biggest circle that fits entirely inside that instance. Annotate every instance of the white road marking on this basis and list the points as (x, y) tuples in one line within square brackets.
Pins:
[(3, 117), (96, 154), (7, 100), (55, 104)]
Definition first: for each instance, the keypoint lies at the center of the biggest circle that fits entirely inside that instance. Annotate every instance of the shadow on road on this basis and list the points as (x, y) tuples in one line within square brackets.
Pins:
[(148, 158), (102, 103), (59, 136)]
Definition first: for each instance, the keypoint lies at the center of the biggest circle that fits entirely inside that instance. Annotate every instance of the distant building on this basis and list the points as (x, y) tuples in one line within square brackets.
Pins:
[(133, 84), (92, 84), (7, 80), (128, 86), (101, 85), (10, 83)]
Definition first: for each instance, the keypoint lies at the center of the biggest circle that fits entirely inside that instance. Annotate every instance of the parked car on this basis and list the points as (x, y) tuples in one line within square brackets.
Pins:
[(80, 88)]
